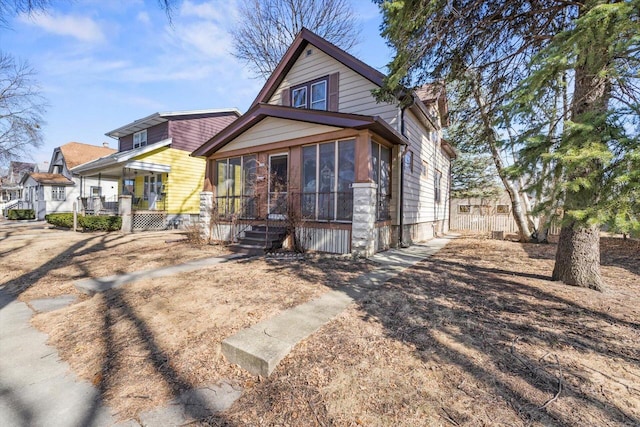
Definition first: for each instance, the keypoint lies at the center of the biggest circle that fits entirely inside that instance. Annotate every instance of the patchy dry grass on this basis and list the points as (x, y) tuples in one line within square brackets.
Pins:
[(476, 335), (39, 262), (144, 343)]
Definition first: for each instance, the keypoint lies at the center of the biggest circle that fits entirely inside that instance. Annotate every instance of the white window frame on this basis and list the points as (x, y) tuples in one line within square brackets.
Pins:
[(58, 193), (307, 89), (315, 101), (141, 138)]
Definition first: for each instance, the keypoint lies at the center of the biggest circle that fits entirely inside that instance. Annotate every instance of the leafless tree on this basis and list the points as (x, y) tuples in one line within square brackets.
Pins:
[(266, 28), (21, 108)]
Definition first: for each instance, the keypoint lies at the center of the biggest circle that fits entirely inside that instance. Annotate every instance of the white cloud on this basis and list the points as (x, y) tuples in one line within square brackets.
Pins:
[(208, 10), (82, 28), (144, 18)]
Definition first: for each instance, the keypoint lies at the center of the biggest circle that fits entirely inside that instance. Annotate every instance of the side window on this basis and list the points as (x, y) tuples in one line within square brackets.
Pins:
[(299, 97), (436, 184), (140, 139)]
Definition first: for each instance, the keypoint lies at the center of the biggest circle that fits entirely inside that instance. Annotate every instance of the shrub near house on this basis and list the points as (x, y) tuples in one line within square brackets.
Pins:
[(88, 223), (21, 214)]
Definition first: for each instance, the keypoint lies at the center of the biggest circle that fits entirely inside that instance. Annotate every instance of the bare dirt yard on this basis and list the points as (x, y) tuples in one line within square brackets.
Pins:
[(476, 335)]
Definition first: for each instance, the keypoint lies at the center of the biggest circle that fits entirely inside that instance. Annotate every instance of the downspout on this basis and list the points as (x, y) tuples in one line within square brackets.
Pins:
[(401, 182)]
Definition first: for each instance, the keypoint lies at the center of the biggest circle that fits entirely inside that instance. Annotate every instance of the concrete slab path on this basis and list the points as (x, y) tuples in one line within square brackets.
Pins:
[(91, 286), (260, 348)]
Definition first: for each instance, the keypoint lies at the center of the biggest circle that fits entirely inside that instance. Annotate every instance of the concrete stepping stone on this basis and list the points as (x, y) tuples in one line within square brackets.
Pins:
[(45, 305), (193, 405)]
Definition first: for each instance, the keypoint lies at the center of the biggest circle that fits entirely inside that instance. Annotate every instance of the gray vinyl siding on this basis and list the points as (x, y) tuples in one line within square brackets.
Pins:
[(191, 132), (354, 90)]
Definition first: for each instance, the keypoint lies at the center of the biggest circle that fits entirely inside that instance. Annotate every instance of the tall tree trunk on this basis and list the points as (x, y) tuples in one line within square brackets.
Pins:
[(578, 254), (490, 135)]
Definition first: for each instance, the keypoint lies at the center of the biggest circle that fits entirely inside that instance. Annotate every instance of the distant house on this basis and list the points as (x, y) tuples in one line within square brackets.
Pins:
[(153, 162), (10, 187), (363, 175), (56, 190)]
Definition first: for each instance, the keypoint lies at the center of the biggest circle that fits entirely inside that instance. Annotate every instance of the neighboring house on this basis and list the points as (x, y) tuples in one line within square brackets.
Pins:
[(364, 175), (10, 188), (153, 162), (56, 190)]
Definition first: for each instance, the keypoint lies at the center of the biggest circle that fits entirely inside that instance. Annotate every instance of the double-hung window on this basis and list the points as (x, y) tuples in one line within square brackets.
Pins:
[(328, 170), (58, 193), (140, 139), (312, 95)]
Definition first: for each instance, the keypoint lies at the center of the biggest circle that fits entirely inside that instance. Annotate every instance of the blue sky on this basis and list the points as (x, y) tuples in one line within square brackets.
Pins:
[(102, 64)]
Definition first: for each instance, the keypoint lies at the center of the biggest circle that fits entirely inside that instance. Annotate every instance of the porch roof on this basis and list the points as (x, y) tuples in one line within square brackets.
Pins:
[(113, 164), (261, 111), (48, 178)]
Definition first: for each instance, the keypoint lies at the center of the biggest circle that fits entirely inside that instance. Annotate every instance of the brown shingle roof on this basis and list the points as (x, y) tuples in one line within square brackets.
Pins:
[(77, 153), (51, 178)]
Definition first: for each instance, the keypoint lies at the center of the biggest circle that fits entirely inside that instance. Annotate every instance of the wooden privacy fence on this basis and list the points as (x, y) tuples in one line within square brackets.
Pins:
[(484, 223), (488, 223)]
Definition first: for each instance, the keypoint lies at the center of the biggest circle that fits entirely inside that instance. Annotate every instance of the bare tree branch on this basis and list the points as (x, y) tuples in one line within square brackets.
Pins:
[(266, 28), (21, 109)]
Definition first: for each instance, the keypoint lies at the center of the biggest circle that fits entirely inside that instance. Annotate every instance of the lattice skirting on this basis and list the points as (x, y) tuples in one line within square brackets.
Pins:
[(149, 221)]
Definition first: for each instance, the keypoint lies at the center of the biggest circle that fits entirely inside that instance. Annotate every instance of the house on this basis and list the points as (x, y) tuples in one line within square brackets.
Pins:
[(363, 176), (154, 166), (57, 190), (10, 188)]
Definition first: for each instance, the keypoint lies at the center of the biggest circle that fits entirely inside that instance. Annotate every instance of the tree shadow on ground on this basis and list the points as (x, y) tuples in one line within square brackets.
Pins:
[(489, 321), (115, 308)]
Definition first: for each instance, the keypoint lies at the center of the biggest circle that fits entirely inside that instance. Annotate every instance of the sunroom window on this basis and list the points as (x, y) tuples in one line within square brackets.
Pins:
[(381, 168), (328, 170), (236, 186)]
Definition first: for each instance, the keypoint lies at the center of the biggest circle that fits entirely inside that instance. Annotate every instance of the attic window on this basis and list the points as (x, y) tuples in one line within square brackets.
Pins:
[(312, 95), (140, 139)]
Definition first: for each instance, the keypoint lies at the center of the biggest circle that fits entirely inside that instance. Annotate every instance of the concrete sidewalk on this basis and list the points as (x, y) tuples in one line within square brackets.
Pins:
[(260, 348), (93, 285), (36, 387)]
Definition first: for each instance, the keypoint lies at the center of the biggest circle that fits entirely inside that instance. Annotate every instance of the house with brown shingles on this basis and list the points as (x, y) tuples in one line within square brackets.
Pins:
[(362, 175), (56, 190)]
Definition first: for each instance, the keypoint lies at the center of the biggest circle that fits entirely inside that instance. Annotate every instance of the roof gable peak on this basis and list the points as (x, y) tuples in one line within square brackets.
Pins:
[(304, 38)]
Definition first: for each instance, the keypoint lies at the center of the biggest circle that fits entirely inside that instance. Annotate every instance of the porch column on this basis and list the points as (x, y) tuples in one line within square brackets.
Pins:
[(206, 209), (124, 211), (363, 226)]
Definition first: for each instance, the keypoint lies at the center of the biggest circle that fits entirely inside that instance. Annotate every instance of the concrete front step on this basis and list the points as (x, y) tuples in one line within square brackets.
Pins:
[(261, 347), (247, 249)]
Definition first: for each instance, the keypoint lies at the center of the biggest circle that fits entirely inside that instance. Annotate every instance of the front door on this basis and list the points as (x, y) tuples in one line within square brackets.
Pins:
[(278, 180)]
